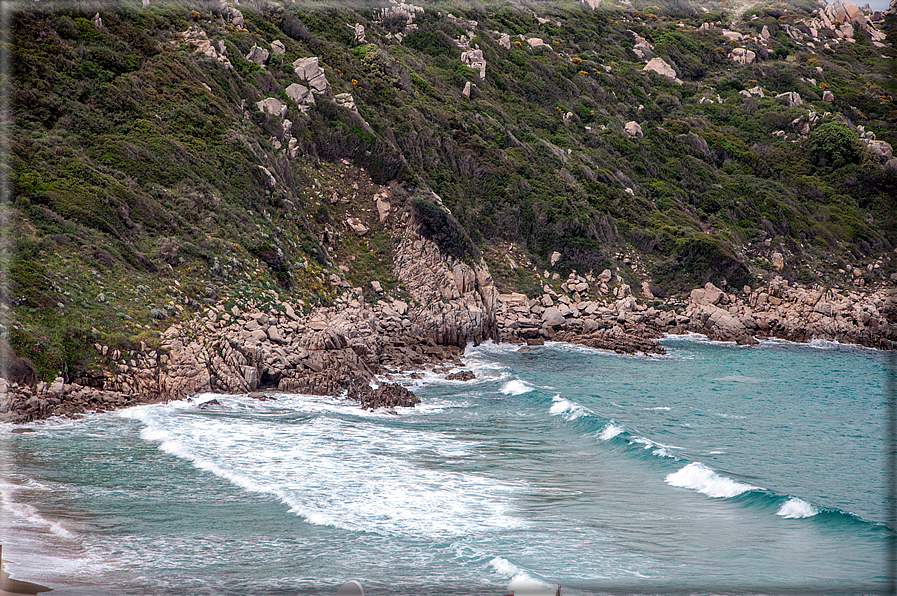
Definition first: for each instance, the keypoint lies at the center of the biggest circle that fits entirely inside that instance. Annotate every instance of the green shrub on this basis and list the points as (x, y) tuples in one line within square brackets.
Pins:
[(834, 144)]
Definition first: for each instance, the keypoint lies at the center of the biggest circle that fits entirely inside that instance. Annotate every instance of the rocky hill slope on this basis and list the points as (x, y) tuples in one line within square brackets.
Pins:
[(179, 167)]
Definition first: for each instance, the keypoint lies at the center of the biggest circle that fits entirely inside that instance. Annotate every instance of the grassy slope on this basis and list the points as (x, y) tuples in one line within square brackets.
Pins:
[(137, 196)]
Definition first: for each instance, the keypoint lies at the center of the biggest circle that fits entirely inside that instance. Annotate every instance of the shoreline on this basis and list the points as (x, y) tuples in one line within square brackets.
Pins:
[(321, 360), (341, 349)]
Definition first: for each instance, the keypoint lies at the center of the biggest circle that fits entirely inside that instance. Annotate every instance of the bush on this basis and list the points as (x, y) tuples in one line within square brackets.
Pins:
[(834, 144)]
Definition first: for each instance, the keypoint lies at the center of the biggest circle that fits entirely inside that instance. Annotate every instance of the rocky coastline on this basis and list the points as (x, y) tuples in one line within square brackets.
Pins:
[(349, 348)]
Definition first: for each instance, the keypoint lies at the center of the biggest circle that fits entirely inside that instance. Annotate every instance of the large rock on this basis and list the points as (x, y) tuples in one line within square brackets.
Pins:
[(308, 69), (257, 55), (278, 48), (355, 224), (300, 94), (881, 149), (197, 37), (552, 317), (358, 32), (853, 12), (235, 17), (272, 106), (790, 98), (57, 388), (659, 66), (633, 129)]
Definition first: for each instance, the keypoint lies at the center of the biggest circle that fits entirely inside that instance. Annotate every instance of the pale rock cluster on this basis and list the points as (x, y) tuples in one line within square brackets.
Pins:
[(642, 48), (272, 106), (742, 56), (755, 91), (308, 69), (300, 94), (474, 59), (402, 10), (838, 22), (257, 55), (358, 32), (235, 17), (882, 150), (197, 37), (345, 100), (790, 99)]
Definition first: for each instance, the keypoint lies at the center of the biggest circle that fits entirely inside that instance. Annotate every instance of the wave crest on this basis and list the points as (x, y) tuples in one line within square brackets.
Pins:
[(570, 410), (796, 508), (701, 478), (516, 387)]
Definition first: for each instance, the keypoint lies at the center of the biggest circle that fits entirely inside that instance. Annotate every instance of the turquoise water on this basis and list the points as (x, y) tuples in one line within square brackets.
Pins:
[(714, 468)]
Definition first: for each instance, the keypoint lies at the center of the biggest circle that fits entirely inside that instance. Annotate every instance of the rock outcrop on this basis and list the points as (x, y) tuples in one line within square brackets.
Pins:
[(659, 66), (790, 98), (633, 129), (257, 55), (197, 37), (300, 94), (272, 106), (742, 56), (308, 69), (474, 59)]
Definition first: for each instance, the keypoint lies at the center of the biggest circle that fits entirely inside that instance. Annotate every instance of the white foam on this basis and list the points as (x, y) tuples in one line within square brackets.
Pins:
[(701, 478), (516, 387), (658, 449), (687, 336), (490, 347), (818, 344), (28, 514), (428, 377), (699, 338), (795, 508), (825, 344), (610, 431), (352, 473), (522, 581), (570, 410), (658, 409)]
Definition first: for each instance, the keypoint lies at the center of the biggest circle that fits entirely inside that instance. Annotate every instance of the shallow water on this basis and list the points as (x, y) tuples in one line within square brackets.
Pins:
[(714, 468)]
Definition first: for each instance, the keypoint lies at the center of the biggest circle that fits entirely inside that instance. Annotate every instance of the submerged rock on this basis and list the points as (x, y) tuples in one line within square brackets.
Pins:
[(463, 375)]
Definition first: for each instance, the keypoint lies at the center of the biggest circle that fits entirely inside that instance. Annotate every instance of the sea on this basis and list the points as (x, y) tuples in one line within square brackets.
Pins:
[(714, 469)]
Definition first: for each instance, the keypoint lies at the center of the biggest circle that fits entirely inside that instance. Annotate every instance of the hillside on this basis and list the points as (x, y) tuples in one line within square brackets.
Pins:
[(166, 157)]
